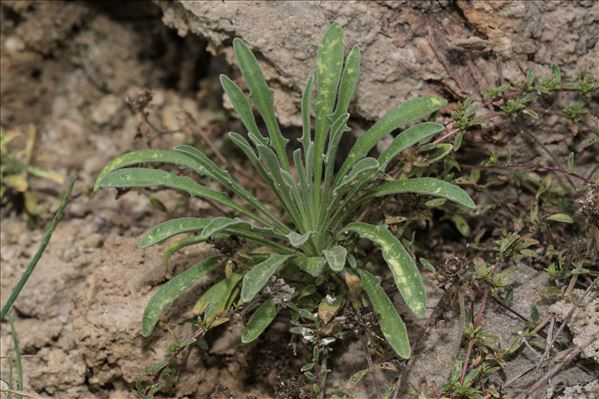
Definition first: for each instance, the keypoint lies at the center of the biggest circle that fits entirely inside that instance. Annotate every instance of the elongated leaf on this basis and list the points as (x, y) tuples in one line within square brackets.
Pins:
[(335, 257), (408, 138), (282, 188), (304, 182), (313, 265), (561, 217), (426, 186), (329, 64), (438, 152), (219, 224), (405, 113), (170, 228), (144, 177), (405, 273), (47, 174), (348, 83), (217, 298), (150, 156), (337, 129), (259, 321), (392, 325), (171, 290), (242, 106), (297, 239), (250, 231), (178, 245), (258, 276), (306, 128), (366, 166), (243, 144), (262, 96), (224, 178)]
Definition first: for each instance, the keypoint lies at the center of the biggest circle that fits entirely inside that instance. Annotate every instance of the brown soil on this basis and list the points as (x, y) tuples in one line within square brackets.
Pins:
[(66, 69)]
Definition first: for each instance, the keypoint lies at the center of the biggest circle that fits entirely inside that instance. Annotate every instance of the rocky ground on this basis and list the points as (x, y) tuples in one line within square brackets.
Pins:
[(67, 68)]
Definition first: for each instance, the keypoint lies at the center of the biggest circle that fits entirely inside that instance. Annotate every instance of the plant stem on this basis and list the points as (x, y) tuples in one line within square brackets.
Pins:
[(15, 341), (40, 251), (371, 368), (571, 356), (477, 323), (462, 323)]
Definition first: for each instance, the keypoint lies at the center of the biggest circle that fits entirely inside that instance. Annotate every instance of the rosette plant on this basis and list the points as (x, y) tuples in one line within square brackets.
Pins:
[(298, 253)]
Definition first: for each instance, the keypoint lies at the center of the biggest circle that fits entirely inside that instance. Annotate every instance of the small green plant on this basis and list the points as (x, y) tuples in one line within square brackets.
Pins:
[(299, 255), (16, 168)]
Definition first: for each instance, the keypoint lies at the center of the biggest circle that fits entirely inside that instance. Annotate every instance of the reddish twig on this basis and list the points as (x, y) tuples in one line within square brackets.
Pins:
[(478, 321), (195, 337), (567, 318), (574, 352), (530, 166)]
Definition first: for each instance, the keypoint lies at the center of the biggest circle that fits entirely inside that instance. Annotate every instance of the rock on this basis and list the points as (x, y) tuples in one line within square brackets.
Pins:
[(408, 47), (106, 109), (584, 321)]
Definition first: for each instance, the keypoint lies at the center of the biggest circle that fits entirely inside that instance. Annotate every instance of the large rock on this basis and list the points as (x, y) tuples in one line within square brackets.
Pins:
[(408, 47)]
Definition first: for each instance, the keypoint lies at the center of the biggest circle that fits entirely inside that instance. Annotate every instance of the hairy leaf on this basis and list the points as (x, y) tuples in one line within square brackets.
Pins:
[(408, 138), (364, 167), (144, 177), (221, 223), (313, 265), (258, 276), (178, 245), (405, 273), (224, 178), (217, 298), (243, 144), (348, 83), (171, 290), (335, 257), (170, 228), (259, 321), (426, 186), (329, 64), (262, 96), (149, 156), (405, 113), (305, 108), (242, 106), (391, 324), (297, 240)]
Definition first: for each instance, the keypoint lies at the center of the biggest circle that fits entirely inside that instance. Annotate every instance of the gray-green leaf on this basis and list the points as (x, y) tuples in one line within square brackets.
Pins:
[(561, 217), (171, 290), (405, 273), (258, 276), (220, 223), (313, 265), (297, 239), (170, 228), (262, 96), (259, 321), (215, 300), (150, 156), (426, 186), (242, 106), (144, 177), (408, 138), (335, 257), (405, 113), (392, 325)]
